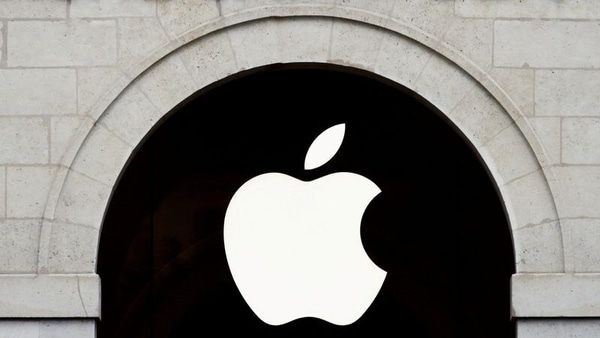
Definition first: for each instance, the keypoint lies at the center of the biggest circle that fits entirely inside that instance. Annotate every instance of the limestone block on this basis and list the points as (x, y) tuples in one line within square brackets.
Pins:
[(111, 8), (80, 328), (535, 9), (228, 7), (479, 116), (509, 156), (538, 248), (138, 37), (556, 295), (19, 328), (581, 140), (66, 134), (432, 16), (62, 43), (474, 39), (546, 44), (255, 44), (27, 190), (558, 328), (519, 85), (355, 44), (178, 17), (579, 191), (34, 91), (92, 84), (28, 138), (167, 84), (209, 58), (131, 116), (529, 200), (401, 59), (72, 248), (39, 9), (548, 132), (304, 39), (443, 84), (1, 42), (567, 93), (82, 201), (382, 7), (105, 155), (2, 192), (49, 296), (19, 241), (581, 238)]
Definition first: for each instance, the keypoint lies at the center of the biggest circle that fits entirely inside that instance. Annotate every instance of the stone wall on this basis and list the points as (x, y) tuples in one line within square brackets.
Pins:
[(81, 84)]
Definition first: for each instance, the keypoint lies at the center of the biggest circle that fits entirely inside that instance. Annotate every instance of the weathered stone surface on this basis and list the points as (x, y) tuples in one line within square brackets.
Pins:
[(39, 9), (538, 248), (65, 134), (2, 192), (19, 241), (581, 140), (178, 17), (580, 191), (82, 201), (558, 328), (546, 44), (581, 244), (28, 140), (62, 43), (35, 91), (27, 191), (548, 132), (138, 37), (72, 248), (534, 9), (92, 84), (567, 93), (112, 8)]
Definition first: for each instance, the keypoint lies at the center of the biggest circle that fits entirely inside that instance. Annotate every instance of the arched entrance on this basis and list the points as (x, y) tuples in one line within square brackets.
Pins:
[(438, 226)]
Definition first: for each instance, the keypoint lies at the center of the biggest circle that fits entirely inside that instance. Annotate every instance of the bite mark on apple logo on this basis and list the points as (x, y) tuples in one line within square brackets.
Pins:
[(294, 247)]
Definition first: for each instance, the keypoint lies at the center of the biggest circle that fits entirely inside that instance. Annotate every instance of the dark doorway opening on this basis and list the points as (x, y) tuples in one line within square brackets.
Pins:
[(438, 227)]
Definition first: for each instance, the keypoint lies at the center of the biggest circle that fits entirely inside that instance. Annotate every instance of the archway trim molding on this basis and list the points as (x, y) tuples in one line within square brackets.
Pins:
[(385, 46)]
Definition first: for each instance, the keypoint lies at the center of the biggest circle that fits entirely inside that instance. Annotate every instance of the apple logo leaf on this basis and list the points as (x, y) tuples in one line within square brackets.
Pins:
[(324, 147)]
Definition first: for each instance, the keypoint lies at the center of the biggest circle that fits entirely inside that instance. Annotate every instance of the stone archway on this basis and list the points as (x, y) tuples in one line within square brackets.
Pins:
[(465, 94)]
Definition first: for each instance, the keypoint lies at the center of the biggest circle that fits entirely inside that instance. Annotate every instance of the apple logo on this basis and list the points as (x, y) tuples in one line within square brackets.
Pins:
[(294, 247)]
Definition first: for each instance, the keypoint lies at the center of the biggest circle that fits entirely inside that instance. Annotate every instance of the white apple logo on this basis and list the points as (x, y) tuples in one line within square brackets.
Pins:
[(294, 247)]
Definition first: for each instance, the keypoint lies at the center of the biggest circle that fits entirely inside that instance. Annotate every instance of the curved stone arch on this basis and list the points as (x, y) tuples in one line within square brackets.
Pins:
[(466, 95)]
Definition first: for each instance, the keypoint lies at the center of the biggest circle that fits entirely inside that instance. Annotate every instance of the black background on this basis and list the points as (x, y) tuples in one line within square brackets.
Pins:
[(437, 228)]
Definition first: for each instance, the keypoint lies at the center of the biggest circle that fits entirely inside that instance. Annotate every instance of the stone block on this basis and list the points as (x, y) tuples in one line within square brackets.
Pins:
[(39, 9), (479, 117), (2, 192), (546, 44), (538, 248), (534, 9), (62, 43), (92, 84), (579, 191), (548, 132), (355, 44), (50, 296), (443, 84), (581, 140), (179, 17), (82, 201), (255, 44), (567, 93), (111, 8), (519, 85), (558, 328), (509, 155), (71, 328), (581, 238), (131, 116), (19, 242), (556, 295), (431, 16), (102, 156), (27, 191), (401, 59), (10, 328), (28, 138), (72, 248), (35, 91), (167, 84), (304, 39), (210, 58), (138, 37), (383, 7), (66, 135), (228, 7), (473, 39)]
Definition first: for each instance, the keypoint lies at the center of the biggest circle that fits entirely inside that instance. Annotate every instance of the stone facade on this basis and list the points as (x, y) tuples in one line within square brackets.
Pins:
[(81, 84)]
